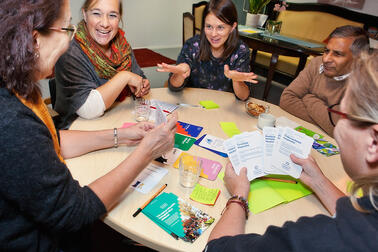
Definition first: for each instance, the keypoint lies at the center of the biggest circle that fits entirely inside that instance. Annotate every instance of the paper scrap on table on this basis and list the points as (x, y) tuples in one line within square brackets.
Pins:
[(230, 128), (127, 124), (209, 104), (149, 178), (213, 143), (183, 142), (204, 195)]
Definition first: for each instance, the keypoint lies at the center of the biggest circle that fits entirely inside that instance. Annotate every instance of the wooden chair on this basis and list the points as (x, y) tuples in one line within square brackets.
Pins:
[(197, 11), (187, 26)]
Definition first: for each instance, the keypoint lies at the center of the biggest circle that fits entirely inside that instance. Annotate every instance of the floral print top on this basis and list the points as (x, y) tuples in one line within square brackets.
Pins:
[(210, 74)]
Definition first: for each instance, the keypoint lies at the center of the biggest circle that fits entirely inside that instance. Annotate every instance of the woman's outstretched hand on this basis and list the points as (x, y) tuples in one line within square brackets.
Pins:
[(182, 69), (239, 76)]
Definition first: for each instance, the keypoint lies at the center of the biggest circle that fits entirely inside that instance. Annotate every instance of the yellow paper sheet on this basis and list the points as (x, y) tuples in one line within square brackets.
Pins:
[(250, 31), (230, 128), (204, 195), (209, 104)]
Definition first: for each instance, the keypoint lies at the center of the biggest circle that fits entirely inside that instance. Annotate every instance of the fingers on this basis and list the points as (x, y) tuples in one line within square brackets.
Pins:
[(172, 121), (297, 160), (163, 67)]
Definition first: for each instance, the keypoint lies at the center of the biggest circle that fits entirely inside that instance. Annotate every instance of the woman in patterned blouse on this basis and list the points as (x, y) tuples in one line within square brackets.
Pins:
[(216, 59)]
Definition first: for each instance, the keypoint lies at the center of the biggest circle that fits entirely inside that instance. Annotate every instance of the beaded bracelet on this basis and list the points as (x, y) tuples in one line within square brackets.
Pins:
[(239, 200), (115, 138)]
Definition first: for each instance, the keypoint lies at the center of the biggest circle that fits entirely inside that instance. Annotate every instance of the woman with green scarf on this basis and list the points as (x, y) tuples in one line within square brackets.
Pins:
[(99, 68)]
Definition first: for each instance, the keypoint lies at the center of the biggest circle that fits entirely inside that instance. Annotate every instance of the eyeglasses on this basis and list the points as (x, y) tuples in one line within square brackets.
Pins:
[(71, 30), (219, 29), (335, 116)]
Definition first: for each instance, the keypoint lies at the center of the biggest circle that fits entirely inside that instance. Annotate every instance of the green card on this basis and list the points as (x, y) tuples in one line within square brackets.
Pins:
[(205, 195), (183, 142), (265, 194), (209, 104), (230, 128)]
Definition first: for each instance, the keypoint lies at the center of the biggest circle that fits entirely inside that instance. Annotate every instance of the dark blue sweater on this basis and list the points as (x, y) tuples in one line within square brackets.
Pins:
[(40, 202)]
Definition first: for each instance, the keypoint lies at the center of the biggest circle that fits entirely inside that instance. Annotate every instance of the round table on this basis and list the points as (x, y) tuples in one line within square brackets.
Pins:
[(89, 167)]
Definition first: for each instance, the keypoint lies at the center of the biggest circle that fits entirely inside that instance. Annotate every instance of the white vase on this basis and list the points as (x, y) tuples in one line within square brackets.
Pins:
[(252, 20), (262, 20)]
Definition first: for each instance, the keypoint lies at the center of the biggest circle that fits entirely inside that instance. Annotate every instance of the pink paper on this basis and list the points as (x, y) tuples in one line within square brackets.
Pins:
[(127, 124), (210, 168)]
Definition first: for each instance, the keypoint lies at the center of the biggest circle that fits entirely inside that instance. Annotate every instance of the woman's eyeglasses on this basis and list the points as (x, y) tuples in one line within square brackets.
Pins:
[(71, 30), (335, 116)]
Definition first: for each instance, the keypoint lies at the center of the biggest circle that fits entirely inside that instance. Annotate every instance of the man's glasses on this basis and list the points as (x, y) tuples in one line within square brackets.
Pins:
[(71, 30), (335, 116)]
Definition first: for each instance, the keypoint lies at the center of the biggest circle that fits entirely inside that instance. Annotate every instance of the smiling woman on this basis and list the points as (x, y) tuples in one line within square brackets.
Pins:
[(99, 68), (217, 59)]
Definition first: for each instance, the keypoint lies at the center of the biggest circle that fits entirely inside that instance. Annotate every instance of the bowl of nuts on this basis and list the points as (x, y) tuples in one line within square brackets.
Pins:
[(254, 109)]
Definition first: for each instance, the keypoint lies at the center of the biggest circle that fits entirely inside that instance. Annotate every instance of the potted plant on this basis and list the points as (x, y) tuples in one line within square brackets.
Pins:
[(253, 16)]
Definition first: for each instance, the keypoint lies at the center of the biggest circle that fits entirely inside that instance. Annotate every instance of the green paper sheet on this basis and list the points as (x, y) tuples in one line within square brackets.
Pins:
[(265, 194), (230, 128), (183, 142), (204, 195), (209, 104)]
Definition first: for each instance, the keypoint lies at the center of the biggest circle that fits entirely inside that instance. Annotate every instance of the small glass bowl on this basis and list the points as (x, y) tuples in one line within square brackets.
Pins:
[(255, 113)]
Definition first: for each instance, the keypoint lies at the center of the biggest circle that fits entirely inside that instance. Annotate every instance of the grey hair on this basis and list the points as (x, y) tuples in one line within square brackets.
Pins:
[(361, 41)]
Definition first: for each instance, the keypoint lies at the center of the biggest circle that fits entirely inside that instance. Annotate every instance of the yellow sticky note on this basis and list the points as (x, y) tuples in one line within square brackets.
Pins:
[(230, 128), (209, 104), (249, 31), (205, 195)]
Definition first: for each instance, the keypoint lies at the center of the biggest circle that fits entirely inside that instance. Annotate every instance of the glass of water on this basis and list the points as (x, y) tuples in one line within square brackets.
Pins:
[(142, 109), (189, 170)]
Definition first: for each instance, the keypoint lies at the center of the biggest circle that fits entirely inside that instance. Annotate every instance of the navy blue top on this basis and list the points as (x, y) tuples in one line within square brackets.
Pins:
[(350, 230), (210, 74)]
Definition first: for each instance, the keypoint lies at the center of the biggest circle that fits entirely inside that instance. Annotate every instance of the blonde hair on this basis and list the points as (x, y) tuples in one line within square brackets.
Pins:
[(362, 103)]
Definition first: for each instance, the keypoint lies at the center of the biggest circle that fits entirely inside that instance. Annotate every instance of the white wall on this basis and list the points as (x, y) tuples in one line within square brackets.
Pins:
[(158, 23), (149, 23)]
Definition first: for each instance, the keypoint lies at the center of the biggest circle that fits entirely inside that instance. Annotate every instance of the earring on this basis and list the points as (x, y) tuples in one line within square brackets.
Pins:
[(36, 55)]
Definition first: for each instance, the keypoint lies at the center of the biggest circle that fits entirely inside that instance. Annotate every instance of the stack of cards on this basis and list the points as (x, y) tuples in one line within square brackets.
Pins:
[(268, 153)]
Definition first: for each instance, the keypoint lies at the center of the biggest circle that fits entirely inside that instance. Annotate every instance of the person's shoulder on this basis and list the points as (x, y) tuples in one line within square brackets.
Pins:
[(242, 47), (74, 51), (193, 42), (14, 116)]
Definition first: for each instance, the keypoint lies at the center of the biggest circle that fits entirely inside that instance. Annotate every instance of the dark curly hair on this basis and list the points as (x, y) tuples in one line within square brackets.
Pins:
[(18, 61)]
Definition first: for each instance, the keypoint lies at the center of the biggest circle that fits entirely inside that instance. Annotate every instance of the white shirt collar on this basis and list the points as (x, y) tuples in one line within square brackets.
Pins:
[(336, 78)]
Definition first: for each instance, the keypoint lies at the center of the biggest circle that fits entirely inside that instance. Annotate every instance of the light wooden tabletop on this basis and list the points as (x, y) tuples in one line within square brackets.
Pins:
[(141, 229)]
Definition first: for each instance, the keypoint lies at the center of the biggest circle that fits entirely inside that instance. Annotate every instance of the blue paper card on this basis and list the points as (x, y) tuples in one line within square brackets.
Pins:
[(188, 129)]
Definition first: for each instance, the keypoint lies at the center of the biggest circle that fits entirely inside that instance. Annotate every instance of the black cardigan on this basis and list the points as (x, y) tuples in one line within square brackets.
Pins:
[(40, 202)]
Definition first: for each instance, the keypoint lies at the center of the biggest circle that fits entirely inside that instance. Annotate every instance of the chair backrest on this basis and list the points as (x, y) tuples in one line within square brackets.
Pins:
[(197, 11), (187, 26), (52, 87)]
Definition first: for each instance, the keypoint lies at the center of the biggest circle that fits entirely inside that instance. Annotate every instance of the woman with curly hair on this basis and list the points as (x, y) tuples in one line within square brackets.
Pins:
[(42, 207)]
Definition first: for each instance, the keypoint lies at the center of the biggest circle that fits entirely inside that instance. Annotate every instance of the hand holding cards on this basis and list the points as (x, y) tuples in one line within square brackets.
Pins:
[(268, 153)]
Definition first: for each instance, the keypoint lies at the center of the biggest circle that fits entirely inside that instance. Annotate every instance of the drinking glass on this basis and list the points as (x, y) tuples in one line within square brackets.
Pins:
[(142, 109), (189, 170)]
